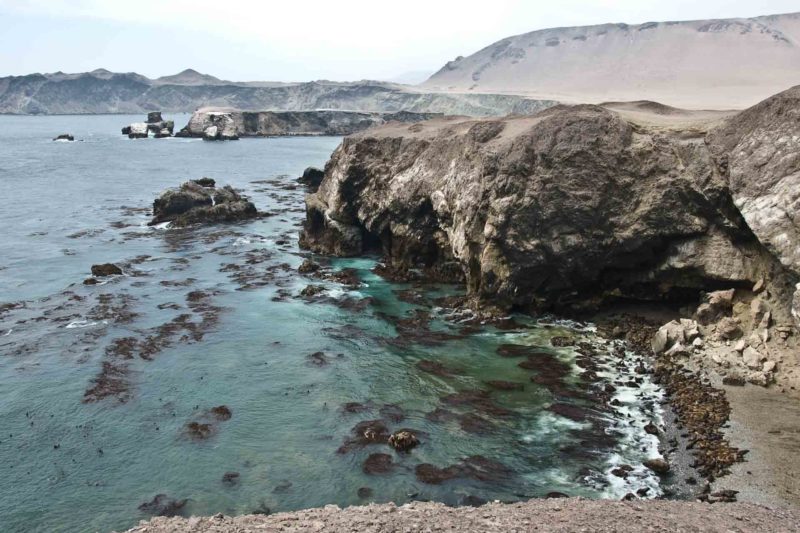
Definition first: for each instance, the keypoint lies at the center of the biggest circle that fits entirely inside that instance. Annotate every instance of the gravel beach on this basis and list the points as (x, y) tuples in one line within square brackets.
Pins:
[(573, 514)]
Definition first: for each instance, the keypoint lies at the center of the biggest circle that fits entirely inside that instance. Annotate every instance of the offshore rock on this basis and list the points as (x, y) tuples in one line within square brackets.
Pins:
[(192, 203), (156, 125), (568, 209)]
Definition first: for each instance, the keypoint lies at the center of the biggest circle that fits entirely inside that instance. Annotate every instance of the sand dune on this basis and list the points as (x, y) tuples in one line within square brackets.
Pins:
[(704, 64)]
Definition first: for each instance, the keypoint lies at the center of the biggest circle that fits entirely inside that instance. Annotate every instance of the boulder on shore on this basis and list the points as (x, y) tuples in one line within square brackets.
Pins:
[(194, 203)]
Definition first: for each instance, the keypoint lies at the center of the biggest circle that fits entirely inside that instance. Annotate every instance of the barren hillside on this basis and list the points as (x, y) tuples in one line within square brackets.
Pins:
[(713, 64)]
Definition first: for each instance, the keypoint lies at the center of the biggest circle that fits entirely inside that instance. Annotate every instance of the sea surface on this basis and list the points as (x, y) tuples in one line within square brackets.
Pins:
[(107, 391)]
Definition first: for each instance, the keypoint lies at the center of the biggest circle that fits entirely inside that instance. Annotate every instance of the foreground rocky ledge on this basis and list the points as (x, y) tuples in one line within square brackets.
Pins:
[(573, 514)]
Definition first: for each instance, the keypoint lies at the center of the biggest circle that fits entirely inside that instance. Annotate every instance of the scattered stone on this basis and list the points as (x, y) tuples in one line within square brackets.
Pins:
[(199, 431), (221, 412), (308, 266), (106, 269), (312, 290), (318, 359), (659, 466), (561, 341), (230, 478), (651, 429), (751, 358), (729, 329), (403, 441), (733, 380)]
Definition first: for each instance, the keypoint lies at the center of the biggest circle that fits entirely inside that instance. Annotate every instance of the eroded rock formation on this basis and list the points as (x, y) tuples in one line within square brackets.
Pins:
[(155, 124), (573, 207)]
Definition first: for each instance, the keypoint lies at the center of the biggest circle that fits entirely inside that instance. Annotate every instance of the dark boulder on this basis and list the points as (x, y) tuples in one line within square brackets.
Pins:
[(106, 269), (193, 203), (659, 466), (64, 137), (311, 178)]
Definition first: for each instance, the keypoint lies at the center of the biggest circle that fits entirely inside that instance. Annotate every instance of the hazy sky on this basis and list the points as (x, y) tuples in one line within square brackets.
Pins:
[(298, 40)]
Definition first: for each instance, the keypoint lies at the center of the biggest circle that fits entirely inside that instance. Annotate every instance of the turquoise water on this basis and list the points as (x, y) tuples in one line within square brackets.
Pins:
[(74, 465)]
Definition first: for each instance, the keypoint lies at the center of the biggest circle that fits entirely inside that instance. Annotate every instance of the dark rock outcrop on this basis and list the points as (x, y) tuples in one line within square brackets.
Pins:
[(192, 203), (569, 209), (64, 137)]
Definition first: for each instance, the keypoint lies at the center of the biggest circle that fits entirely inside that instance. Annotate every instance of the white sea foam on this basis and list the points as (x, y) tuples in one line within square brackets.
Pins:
[(84, 324)]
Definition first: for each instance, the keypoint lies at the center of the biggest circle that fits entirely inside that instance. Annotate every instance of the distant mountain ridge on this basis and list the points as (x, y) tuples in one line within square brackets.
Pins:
[(103, 91), (703, 63)]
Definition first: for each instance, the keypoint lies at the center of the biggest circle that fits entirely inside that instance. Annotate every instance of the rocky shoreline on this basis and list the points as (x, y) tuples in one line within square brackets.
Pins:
[(583, 208)]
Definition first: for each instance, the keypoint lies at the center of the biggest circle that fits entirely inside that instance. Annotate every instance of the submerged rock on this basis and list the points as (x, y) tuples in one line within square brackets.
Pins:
[(163, 505), (193, 203), (378, 463)]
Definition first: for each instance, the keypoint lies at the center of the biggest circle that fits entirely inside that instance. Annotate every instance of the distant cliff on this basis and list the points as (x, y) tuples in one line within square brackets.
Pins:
[(717, 64), (101, 91), (227, 124)]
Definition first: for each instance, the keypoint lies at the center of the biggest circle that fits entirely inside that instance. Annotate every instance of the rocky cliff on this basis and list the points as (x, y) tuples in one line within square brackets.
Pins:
[(225, 124), (102, 91), (575, 207)]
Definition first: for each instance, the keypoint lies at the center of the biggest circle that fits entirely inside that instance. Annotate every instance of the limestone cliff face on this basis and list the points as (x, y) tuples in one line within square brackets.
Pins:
[(570, 208)]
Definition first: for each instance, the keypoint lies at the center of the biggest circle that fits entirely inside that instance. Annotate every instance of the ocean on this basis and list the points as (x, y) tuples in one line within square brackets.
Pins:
[(108, 392)]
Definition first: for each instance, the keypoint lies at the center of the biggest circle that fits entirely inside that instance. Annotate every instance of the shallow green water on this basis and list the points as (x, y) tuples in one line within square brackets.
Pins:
[(71, 465)]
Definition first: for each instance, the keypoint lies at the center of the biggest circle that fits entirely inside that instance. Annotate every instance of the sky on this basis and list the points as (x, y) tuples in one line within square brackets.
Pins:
[(301, 40)]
